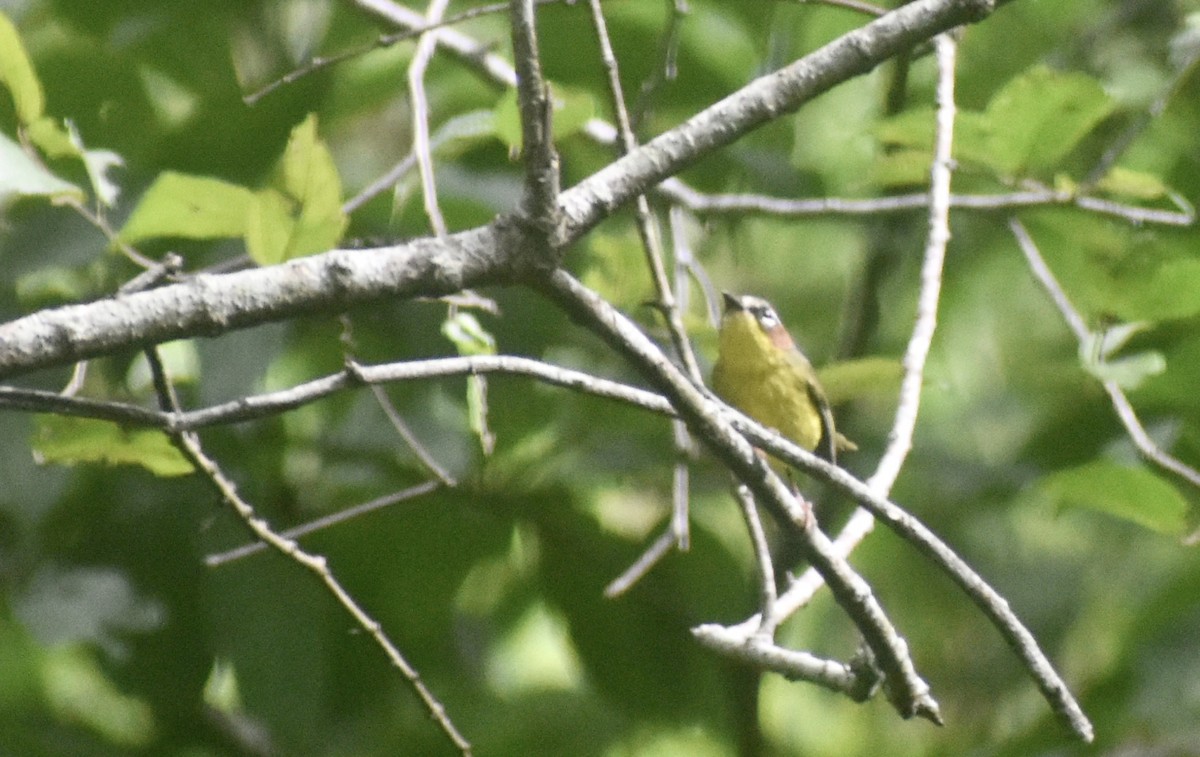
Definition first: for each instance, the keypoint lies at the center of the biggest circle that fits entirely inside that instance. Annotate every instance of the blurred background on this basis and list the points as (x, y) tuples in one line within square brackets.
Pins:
[(115, 638)]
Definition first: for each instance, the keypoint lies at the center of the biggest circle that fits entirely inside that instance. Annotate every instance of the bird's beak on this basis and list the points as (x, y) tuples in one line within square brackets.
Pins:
[(732, 303)]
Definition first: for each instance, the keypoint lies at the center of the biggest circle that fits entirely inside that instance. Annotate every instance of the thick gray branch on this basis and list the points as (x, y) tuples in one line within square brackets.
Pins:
[(494, 254)]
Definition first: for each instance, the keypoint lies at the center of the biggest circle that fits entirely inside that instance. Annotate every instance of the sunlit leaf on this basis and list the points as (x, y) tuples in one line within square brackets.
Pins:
[(192, 207), (70, 441), (309, 180), (18, 76), (24, 177)]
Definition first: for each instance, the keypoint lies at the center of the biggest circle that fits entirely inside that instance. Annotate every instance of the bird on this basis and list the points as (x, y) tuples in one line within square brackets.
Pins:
[(761, 372)]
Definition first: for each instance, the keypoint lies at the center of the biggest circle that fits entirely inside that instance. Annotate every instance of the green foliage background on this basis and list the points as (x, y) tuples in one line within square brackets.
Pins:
[(115, 639)]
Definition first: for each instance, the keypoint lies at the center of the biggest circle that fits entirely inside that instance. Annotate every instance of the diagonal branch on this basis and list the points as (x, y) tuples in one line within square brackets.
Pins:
[(709, 420), (493, 254), (1121, 404)]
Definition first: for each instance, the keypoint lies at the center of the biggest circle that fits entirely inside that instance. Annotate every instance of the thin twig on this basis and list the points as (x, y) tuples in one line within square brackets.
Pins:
[(764, 655), (905, 525), (668, 69), (218, 559), (651, 239), (641, 566), (319, 62), (738, 204), (854, 5), (1124, 409), (189, 444), (1126, 138), (905, 688), (273, 403), (426, 46), (406, 433), (646, 225), (762, 554), (924, 324)]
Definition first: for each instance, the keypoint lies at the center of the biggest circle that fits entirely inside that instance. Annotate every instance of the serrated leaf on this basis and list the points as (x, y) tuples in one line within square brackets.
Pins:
[(309, 180), (18, 75), (192, 207), (25, 177), (70, 441), (1029, 126), (1130, 493), (1039, 117)]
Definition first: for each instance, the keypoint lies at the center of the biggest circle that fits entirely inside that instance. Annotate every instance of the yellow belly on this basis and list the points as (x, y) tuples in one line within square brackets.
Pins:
[(773, 394)]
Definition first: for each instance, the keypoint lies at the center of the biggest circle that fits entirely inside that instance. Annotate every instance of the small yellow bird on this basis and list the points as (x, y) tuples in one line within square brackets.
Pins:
[(761, 372)]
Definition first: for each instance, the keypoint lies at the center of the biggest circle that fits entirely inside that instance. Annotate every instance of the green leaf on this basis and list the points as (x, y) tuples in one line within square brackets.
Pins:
[(1029, 126), (269, 227), (468, 335), (1037, 118), (1135, 184), (24, 177), (18, 75), (192, 207), (852, 379), (310, 178), (1129, 371), (470, 338), (180, 360), (1130, 493), (301, 214), (68, 441), (51, 138)]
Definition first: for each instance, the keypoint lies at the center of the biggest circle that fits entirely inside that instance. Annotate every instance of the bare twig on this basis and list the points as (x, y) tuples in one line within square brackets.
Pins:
[(737, 204), (854, 5), (1135, 129), (414, 444), (993, 605), (762, 554), (761, 653), (426, 46), (1124, 409), (924, 324), (667, 70), (189, 444), (657, 550), (218, 559), (651, 239), (273, 403), (646, 224), (319, 62), (905, 688)]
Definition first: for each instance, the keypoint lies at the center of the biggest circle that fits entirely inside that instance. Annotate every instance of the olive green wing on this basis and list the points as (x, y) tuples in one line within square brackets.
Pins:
[(827, 447)]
